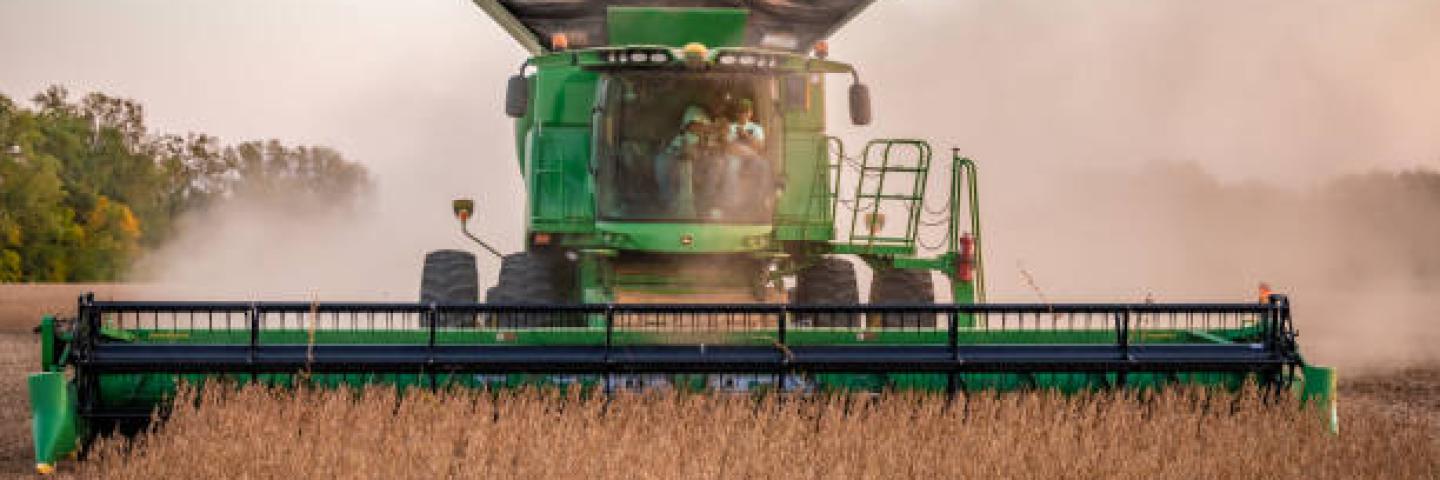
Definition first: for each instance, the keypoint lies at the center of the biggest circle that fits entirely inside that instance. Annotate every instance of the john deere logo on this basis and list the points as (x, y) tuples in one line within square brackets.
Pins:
[(687, 239)]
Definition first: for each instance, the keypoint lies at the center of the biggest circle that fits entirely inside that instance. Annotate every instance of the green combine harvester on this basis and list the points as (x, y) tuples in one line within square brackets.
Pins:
[(689, 225)]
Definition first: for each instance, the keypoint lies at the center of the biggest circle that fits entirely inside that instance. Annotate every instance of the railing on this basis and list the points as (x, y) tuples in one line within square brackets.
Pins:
[(964, 189), (213, 337)]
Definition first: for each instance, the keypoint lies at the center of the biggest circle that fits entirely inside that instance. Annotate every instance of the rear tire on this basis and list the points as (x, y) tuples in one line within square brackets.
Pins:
[(449, 277), (893, 286), (830, 281), (531, 279)]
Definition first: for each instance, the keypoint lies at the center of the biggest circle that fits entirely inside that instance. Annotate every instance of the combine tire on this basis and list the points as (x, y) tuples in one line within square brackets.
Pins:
[(449, 277), (902, 287), (531, 279), (831, 281)]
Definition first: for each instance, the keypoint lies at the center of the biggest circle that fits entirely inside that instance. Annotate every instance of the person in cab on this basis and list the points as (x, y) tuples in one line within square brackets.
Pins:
[(747, 172), (674, 166)]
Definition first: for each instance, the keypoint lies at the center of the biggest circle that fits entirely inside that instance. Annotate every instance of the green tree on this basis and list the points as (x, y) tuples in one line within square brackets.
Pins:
[(86, 188)]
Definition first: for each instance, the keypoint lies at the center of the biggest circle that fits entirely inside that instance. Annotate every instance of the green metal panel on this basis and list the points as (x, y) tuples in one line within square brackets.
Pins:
[(803, 212), (800, 215), (52, 404), (671, 237), (713, 27), (47, 344), (564, 95), (863, 249), (524, 129), (808, 114), (1319, 392), (560, 183)]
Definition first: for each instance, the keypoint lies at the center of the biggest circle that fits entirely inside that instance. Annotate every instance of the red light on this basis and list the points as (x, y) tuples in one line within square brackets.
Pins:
[(541, 239), (966, 268)]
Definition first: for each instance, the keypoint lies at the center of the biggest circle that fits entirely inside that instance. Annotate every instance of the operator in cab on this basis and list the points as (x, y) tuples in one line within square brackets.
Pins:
[(747, 172), (744, 131), (674, 166)]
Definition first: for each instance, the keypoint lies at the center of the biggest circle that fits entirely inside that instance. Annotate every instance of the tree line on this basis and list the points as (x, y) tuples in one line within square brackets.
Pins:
[(86, 188)]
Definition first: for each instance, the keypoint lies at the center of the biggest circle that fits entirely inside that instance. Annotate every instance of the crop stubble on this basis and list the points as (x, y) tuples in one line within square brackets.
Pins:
[(264, 433)]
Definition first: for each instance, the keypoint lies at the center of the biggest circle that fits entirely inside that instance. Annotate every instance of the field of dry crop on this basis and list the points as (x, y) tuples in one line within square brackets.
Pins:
[(327, 434), (1389, 431)]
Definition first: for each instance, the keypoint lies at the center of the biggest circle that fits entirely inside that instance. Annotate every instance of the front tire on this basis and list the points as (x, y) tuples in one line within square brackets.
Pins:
[(893, 286), (449, 277), (531, 279), (830, 281)]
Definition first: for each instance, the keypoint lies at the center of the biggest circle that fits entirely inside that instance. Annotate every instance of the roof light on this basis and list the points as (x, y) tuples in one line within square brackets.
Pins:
[(822, 49), (695, 53), (559, 41)]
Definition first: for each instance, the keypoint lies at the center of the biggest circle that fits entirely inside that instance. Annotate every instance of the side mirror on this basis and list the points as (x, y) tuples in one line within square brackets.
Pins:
[(517, 96), (859, 104), (464, 208)]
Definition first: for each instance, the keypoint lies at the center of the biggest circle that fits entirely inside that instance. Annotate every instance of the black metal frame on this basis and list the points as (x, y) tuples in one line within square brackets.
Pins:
[(1275, 349)]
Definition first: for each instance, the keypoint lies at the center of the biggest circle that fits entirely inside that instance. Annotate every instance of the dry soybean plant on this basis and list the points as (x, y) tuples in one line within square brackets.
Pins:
[(376, 433)]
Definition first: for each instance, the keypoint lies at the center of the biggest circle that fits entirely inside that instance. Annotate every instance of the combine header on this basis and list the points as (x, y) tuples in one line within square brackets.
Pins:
[(689, 226)]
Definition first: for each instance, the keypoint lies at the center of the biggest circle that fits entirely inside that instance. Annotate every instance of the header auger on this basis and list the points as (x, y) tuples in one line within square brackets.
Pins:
[(689, 225)]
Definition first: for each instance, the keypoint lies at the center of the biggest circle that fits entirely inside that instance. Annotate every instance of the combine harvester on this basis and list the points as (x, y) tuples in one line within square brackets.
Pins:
[(685, 216)]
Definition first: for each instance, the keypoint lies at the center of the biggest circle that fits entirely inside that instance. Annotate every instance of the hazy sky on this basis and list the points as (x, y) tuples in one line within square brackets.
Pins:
[(1287, 91), (1258, 88)]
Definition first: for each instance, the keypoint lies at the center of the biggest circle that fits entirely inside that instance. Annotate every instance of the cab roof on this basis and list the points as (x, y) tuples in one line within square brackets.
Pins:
[(788, 25)]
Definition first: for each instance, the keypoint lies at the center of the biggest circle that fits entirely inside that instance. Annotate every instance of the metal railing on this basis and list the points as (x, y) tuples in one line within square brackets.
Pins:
[(343, 337), (327, 317)]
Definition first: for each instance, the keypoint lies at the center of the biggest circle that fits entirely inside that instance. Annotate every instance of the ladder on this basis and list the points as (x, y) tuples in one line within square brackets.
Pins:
[(891, 172)]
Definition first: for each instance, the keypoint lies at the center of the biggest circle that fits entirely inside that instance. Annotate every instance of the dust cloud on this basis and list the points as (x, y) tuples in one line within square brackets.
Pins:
[(1356, 254), (1187, 151)]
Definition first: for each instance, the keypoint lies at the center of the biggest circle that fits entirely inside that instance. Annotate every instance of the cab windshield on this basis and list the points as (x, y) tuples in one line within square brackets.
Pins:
[(683, 146)]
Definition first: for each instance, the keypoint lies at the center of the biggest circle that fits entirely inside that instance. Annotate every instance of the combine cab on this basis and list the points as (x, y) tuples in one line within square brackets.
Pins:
[(689, 226)]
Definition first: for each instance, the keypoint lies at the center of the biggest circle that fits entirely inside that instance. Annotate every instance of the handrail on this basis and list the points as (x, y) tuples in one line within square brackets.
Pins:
[(1270, 320), (971, 183)]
